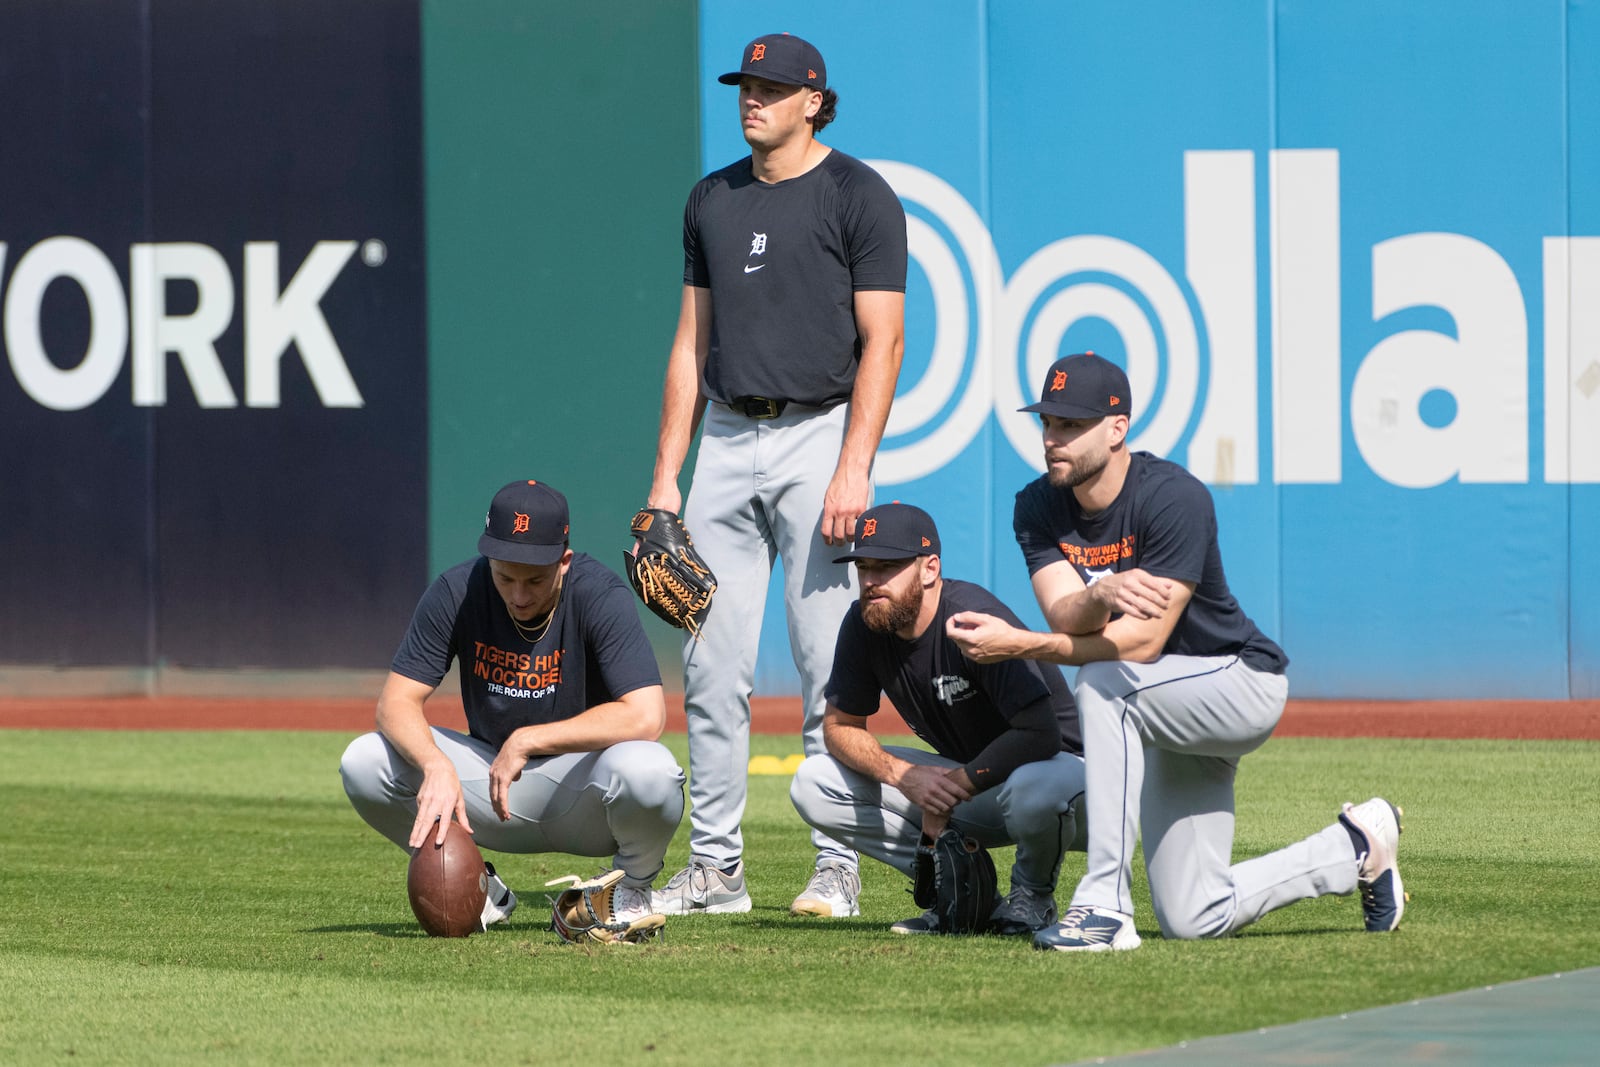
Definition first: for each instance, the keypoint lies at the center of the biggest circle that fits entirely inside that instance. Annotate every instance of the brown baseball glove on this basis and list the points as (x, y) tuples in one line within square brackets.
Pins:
[(586, 913)]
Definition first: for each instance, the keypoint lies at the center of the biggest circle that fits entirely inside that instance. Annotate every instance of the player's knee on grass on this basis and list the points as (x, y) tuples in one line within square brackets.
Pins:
[(1179, 922)]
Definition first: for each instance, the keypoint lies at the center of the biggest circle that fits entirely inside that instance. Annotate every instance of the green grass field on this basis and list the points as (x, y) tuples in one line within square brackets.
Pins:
[(211, 898)]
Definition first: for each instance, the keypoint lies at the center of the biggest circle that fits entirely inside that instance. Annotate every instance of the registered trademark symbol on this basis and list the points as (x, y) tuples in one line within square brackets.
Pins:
[(374, 252)]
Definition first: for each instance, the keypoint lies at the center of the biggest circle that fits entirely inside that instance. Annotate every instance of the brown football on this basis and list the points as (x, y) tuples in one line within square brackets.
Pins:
[(447, 884)]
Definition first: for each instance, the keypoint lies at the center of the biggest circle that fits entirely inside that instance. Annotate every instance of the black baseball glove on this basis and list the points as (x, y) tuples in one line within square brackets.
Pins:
[(667, 572), (955, 879)]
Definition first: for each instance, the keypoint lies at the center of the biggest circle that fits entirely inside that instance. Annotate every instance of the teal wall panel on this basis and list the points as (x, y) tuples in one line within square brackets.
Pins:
[(561, 141)]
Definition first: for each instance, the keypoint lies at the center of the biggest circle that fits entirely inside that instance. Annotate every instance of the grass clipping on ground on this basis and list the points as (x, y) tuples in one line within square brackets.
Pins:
[(212, 898)]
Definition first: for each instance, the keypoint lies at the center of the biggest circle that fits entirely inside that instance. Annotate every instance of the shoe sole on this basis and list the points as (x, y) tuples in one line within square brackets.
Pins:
[(1116, 944), (504, 916), (727, 907), (820, 909)]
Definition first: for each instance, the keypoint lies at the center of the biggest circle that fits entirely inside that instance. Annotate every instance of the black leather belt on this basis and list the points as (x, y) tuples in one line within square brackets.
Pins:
[(758, 407)]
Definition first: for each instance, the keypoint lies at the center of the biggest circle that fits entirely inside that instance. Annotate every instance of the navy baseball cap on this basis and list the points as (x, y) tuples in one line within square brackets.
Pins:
[(1083, 386), (780, 58), (893, 531), (527, 523)]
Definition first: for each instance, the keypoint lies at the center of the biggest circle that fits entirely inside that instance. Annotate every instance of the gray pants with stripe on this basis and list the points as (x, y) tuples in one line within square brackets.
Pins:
[(1162, 741), (1039, 809), (624, 801), (757, 496)]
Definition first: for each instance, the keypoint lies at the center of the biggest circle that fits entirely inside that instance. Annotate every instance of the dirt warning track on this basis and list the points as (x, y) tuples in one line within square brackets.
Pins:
[(1577, 720)]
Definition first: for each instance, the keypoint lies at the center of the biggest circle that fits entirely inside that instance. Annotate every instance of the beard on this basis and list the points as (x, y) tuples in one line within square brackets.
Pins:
[(1079, 472), (900, 611)]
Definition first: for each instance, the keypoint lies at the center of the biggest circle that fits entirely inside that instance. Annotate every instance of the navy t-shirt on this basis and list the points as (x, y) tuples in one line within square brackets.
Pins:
[(993, 717), (1162, 521), (593, 652), (783, 263)]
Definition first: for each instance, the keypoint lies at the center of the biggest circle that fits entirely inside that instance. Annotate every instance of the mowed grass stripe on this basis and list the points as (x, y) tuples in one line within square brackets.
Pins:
[(212, 898)]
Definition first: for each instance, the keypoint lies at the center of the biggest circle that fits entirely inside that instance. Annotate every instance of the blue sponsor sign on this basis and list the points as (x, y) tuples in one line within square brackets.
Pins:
[(1345, 253)]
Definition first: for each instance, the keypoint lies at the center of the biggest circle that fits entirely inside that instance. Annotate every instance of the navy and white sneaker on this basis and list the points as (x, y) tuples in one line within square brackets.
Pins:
[(1383, 897), (1089, 929), (501, 901)]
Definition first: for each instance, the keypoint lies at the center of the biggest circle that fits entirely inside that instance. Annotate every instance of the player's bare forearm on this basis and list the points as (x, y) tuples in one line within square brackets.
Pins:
[(1077, 613), (402, 722), (682, 405), (1068, 605), (987, 639), (639, 715), (933, 789), (681, 412), (849, 741)]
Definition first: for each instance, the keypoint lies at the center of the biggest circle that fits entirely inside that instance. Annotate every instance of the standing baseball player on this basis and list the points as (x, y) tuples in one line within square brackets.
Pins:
[(563, 701), (788, 346), (1007, 765), (1176, 684)]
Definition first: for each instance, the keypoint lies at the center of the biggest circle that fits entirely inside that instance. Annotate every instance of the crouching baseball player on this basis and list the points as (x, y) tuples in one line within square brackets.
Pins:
[(1176, 685), (563, 702), (1007, 765)]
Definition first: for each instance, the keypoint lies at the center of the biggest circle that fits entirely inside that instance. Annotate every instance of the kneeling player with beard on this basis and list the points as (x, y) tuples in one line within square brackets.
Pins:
[(1007, 765)]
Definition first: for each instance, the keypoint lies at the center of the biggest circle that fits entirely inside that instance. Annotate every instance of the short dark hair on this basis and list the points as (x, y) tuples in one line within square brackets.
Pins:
[(826, 113)]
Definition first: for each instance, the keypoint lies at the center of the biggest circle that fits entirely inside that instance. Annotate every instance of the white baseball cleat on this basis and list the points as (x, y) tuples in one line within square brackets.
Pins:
[(1383, 897), (500, 903)]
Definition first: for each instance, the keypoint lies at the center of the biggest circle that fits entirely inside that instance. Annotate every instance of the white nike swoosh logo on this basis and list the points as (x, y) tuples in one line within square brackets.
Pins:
[(748, 269)]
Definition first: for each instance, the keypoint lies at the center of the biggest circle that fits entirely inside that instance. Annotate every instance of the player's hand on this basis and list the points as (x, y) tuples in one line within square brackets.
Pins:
[(932, 789), (667, 497), (984, 638), (847, 497), (933, 825), (507, 768), (1136, 593), (438, 802)]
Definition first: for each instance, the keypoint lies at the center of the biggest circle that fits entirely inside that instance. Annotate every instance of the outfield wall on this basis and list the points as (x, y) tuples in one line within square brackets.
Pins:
[(286, 295), (212, 431), (1349, 253), (289, 290)]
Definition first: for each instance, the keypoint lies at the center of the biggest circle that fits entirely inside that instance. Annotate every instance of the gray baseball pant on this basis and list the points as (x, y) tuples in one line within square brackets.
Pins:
[(757, 496), (624, 801), (1039, 809), (1162, 742)]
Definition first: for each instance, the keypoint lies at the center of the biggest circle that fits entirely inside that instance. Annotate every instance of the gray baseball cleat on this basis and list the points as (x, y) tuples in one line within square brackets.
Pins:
[(1089, 929), (833, 892), (702, 889), (500, 903), (1383, 897), (1023, 911)]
